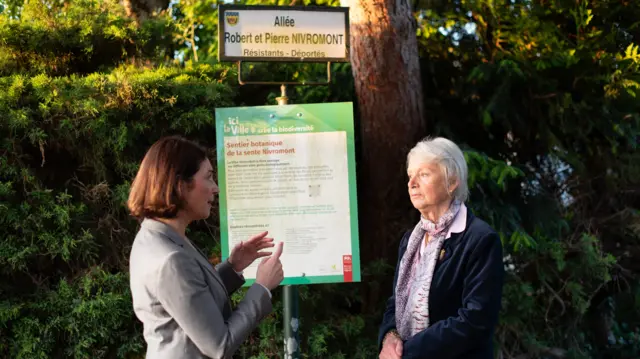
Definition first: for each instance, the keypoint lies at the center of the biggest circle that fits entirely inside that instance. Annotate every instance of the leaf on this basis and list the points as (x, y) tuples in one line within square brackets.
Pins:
[(486, 118)]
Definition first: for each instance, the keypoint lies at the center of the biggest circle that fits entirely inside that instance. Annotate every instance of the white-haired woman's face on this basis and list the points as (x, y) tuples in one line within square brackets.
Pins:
[(427, 185)]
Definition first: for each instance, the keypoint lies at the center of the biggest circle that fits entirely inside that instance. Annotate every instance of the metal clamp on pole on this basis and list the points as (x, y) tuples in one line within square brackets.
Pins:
[(243, 82)]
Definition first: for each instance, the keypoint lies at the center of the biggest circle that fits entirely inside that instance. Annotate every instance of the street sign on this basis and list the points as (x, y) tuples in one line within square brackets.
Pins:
[(283, 33)]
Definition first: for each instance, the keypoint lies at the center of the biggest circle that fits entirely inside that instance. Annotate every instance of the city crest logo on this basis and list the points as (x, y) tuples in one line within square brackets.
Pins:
[(232, 17)]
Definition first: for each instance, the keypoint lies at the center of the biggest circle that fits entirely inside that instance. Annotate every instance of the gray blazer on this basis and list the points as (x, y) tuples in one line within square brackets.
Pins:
[(183, 302)]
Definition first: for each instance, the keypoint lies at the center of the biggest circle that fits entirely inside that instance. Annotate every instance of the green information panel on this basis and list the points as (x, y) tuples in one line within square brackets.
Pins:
[(290, 170)]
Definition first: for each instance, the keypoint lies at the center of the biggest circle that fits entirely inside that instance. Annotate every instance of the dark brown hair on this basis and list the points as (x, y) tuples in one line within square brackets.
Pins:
[(167, 167)]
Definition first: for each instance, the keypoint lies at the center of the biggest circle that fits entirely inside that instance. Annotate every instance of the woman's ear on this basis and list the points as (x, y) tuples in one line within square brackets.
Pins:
[(453, 185), (182, 189)]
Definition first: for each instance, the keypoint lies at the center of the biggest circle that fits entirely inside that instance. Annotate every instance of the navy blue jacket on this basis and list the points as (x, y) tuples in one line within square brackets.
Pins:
[(464, 299)]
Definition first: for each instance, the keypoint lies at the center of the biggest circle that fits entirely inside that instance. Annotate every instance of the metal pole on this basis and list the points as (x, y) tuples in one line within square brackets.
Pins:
[(290, 292), (291, 335)]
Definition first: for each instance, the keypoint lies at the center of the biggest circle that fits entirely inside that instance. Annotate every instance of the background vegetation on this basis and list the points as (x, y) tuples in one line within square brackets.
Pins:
[(542, 95)]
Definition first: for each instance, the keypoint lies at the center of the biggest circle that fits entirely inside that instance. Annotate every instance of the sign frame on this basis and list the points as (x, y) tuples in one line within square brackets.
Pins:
[(318, 113), (230, 7)]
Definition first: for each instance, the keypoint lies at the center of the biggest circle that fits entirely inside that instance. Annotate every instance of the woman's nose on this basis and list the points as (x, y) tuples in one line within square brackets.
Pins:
[(215, 188)]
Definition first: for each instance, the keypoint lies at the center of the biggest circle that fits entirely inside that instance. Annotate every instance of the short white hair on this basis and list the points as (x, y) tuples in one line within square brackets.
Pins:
[(450, 158)]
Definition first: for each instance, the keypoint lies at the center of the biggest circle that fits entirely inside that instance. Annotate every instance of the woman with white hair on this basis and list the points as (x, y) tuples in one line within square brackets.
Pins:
[(447, 287)]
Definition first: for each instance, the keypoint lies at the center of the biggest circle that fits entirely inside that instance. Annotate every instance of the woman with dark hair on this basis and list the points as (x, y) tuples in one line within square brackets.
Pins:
[(181, 299)]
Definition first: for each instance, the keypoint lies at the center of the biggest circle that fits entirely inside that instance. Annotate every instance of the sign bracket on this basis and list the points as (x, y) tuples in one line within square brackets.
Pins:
[(303, 83)]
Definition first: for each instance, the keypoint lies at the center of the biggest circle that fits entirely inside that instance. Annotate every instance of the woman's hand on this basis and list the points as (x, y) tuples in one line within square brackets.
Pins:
[(270, 273), (244, 253), (391, 347)]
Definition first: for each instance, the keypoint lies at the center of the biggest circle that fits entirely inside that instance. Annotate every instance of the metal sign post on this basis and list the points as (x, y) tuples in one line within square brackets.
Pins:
[(289, 292), (284, 34)]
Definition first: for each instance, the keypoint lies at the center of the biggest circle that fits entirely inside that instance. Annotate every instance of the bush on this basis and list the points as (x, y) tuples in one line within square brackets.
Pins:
[(70, 146)]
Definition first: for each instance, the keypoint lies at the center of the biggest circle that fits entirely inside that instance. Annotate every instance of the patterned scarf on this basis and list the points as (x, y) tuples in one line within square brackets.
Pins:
[(416, 272)]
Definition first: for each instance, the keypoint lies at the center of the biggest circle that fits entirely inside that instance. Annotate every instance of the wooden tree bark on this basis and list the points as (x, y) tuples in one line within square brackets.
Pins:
[(384, 57), (141, 10)]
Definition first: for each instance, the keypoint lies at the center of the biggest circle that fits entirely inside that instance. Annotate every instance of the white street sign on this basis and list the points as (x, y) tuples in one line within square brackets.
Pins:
[(283, 33)]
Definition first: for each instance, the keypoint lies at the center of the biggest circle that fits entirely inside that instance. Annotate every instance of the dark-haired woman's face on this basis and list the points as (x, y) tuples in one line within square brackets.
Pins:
[(201, 192)]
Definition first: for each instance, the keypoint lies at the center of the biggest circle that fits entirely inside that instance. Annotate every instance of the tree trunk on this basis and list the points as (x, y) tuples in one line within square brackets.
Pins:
[(386, 69), (141, 10)]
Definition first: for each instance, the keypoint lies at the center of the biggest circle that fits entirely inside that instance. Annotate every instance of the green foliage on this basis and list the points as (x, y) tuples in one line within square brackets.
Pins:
[(81, 38), (541, 96), (197, 27), (70, 146), (11, 8), (85, 313), (550, 89)]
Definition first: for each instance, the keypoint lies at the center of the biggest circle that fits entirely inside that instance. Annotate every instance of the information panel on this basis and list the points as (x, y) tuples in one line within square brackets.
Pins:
[(291, 170), (283, 33)]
